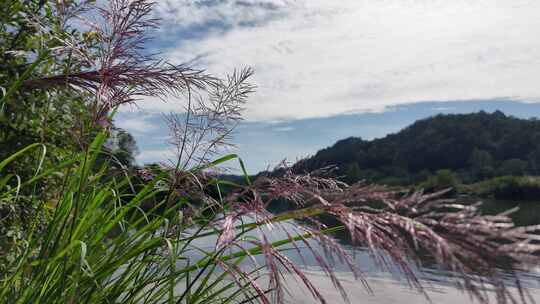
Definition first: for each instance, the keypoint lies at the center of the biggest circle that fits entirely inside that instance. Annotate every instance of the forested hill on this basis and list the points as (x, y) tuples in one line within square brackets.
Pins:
[(474, 146)]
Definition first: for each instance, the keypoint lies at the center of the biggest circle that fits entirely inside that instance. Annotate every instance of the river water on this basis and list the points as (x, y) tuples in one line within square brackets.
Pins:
[(390, 287)]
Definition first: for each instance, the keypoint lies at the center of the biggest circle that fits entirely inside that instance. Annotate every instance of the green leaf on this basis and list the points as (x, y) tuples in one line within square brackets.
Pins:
[(14, 156)]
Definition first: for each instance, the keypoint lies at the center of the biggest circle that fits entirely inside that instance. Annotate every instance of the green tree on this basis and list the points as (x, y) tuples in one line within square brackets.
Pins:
[(514, 166), (442, 179), (31, 47), (481, 163), (123, 147), (534, 160), (445, 179), (353, 173)]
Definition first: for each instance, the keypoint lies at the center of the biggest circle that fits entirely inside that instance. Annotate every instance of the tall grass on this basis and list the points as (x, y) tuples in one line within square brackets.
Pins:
[(100, 246)]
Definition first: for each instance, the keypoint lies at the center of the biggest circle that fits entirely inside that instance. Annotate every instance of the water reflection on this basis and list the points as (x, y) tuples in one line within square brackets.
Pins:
[(388, 285), (441, 285), (527, 214)]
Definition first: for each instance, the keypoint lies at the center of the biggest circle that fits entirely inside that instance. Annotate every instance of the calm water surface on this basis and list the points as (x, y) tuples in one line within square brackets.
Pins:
[(390, 286)]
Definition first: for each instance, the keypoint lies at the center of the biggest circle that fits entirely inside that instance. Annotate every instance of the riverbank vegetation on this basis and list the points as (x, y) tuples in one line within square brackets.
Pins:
[(524, 188), (473, 147), (81, 224), (487, 154)]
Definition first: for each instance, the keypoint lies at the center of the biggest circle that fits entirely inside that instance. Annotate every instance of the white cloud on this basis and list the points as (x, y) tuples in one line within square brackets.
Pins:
[(284, 129), (189, 13), (160, 155), (443, 109), (136, 124), (320, 57)]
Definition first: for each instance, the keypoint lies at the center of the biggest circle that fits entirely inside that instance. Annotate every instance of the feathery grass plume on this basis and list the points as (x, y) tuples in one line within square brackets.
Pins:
[(118, 71), (205, 129), (469, 245)]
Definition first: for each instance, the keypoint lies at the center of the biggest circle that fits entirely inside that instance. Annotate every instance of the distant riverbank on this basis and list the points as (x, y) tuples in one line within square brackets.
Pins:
[(523, 188)]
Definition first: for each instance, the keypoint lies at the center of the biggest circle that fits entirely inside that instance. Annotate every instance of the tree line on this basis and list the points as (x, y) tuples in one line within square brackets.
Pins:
[(471, 147)]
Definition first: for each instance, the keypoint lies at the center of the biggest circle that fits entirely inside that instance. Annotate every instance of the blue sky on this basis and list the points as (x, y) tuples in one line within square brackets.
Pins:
[(325, 70), (266, 143)]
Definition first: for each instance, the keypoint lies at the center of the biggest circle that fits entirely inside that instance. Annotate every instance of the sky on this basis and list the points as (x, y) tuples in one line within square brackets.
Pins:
[(341, 66)]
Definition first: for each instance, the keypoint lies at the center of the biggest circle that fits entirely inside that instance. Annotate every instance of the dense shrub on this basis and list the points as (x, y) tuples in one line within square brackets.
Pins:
[(509, 187)]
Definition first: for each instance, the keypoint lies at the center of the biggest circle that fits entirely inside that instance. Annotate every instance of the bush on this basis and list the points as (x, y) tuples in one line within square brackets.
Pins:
[(509, 187), (515, 167), (443, 179), (18, 216)]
